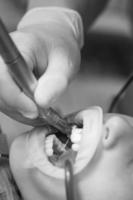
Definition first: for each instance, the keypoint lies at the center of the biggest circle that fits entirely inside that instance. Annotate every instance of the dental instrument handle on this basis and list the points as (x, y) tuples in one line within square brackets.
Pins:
[(15, 62), (26, 80)]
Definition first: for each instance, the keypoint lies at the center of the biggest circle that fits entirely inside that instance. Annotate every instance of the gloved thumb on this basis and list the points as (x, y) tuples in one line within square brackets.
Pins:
[(56, 78)]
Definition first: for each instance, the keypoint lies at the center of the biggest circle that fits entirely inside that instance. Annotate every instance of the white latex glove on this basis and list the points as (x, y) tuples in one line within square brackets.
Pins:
[(49, 39)]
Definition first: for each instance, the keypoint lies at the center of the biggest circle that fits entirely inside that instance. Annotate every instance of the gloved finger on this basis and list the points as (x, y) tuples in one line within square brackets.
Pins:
[(12, 97), (25, 44), (61, 68), (32, 50)]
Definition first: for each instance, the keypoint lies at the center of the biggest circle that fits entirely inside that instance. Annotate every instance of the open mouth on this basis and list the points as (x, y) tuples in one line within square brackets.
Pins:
[(58, 152), (48, 153)]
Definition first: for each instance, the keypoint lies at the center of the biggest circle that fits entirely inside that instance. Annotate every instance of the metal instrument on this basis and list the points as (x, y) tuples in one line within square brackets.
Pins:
[(69, 180)]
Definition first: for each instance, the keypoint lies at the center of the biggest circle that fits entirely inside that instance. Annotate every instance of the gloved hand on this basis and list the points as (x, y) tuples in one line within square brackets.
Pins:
[(49, 39)]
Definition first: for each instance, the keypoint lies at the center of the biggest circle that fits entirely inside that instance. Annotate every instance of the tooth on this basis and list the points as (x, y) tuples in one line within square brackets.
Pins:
[(76, 135), (49, 152), (49, 139), (75, 147), (49, 145)]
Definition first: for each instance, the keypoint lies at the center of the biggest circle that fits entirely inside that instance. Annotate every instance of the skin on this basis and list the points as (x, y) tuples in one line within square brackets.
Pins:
[(105, 173)]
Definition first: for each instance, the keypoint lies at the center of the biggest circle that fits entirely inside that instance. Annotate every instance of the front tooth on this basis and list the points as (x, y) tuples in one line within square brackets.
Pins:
[(49, 145), (75, 147), (75, 138), (76, 135)]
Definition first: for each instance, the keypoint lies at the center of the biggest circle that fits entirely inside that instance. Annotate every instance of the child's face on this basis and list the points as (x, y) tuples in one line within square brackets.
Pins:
[(103, 167)]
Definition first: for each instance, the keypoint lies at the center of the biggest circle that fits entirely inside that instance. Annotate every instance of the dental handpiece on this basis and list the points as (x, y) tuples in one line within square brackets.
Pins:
[(27, 81)]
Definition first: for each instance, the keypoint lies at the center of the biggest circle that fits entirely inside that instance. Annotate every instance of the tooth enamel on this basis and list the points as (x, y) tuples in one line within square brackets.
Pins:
[(76, 134), (76, 130), (49, 145), (75, 147), (75, 137)]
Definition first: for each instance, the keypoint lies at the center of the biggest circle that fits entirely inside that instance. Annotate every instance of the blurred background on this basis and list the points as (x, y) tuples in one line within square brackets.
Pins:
[(107, 60)]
